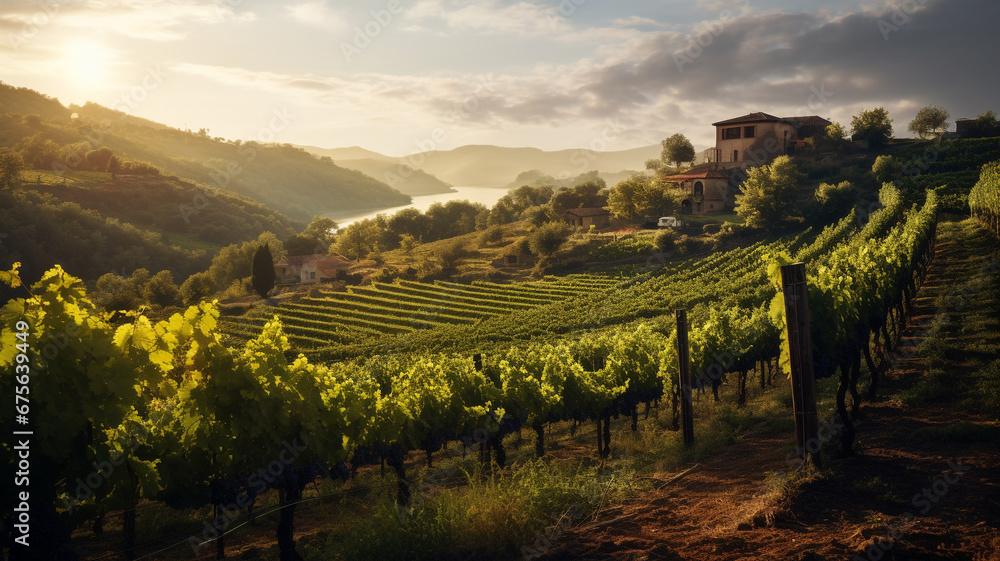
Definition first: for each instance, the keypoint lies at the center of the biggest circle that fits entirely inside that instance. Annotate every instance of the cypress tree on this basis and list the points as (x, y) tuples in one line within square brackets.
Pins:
[(262, 275)]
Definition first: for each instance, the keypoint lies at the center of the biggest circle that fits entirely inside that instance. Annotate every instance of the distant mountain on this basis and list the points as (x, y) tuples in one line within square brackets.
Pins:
[(349, 153), (287, 179), (496, 166), (402, 177)]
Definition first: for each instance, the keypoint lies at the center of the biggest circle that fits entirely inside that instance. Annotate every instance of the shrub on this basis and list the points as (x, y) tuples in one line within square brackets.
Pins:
[(114, 292), (236, 289), (408, 243), (685, 244), (886, 169), (450, 253), (549, 238), (730, 230), (666, 240), (161, 290), (491, 235), (835, 200), (196, 288)]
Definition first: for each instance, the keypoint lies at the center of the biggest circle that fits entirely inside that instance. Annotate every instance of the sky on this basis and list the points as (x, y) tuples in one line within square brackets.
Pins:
[(401, 76)]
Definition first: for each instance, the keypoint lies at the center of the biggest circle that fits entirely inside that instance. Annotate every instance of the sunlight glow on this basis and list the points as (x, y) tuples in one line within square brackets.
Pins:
[(88, 62)]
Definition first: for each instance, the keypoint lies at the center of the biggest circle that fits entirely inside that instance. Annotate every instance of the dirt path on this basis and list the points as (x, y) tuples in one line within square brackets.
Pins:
[(938, 498)]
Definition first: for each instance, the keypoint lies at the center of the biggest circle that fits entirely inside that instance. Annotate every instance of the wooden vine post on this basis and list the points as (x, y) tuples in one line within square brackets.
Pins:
[(793, 286), (684, 378)]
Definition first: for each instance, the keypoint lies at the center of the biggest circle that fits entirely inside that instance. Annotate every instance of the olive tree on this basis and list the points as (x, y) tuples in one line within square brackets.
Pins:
[(873, 125), (930, 122)]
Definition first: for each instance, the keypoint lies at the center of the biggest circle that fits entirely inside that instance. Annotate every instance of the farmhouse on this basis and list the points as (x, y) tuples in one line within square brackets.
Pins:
[(322, 270), (288, 269), (757, 138), (587, 217), (308, 268), (706, 189)]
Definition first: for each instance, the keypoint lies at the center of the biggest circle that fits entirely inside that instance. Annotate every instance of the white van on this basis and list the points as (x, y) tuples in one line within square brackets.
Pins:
[(669, 222)]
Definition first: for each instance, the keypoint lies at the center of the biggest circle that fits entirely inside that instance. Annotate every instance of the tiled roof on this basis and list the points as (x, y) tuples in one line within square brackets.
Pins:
[(689, 175), (748, 118), (808, 120), (760, 117), (702, 167), (328, 266), (297, 261)]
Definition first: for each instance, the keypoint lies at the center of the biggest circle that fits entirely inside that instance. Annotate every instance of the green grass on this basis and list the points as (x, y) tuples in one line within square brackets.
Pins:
[(68, 178), (962, 341), (490, 517)]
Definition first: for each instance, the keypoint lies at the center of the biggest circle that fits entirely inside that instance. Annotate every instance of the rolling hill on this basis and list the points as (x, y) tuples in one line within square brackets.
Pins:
[(497, 166), (92, 224), (349, 153), (286, 179), (402, 177)]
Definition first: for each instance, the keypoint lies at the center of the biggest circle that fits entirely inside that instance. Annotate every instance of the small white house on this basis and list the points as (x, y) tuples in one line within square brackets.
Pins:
[(289, 269), (325, 269)]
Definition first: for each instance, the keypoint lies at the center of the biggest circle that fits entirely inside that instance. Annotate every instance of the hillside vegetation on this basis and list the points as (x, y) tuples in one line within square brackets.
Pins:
[(93, 223), (382, 409), (40, 230), (284, 178)]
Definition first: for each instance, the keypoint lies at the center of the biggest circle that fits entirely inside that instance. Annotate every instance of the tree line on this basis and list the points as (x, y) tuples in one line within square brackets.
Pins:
[(539, 204)]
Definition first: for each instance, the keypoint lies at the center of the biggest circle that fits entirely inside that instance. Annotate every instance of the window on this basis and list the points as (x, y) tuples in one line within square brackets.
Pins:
[(749, 132), (699, 189), (312, 275), (731, 134), (711, 206), (736, 155)]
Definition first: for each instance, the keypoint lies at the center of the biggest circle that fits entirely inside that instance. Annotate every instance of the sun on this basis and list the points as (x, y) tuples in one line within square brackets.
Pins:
[(88, 62)]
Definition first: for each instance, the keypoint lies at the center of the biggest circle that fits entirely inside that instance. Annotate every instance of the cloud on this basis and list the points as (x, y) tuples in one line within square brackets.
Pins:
[(263, 80), (489, 17), (777, 62), (636, 21), (316, 13), (364, 91), (658, 80), (138, 19)]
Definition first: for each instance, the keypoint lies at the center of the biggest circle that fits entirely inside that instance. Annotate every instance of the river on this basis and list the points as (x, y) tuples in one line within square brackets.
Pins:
[(487, 196)]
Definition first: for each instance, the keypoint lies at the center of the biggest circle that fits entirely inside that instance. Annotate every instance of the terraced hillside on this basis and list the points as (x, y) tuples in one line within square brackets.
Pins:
[(362, 313)]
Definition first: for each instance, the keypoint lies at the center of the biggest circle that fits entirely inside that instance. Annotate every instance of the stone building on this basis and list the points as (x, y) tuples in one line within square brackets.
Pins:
[(707, 190), (757, 138)]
